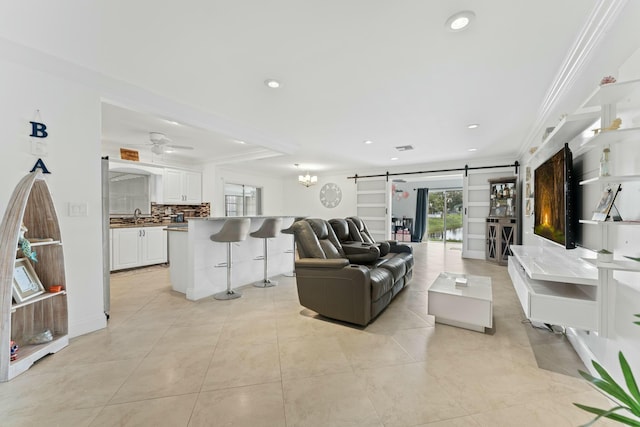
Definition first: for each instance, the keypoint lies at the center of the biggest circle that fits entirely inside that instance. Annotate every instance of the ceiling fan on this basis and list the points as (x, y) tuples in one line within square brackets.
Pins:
[(160, 144)]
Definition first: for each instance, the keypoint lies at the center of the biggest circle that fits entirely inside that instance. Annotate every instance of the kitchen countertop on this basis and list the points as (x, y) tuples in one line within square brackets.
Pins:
[(218, 218), (156, 224), (184, 224)]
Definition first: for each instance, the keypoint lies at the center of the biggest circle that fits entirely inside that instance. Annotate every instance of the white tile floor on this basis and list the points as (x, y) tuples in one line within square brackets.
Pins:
[(263, 360)]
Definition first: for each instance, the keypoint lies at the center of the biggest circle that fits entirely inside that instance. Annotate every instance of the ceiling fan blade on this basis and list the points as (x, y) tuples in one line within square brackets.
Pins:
[(179, 147)]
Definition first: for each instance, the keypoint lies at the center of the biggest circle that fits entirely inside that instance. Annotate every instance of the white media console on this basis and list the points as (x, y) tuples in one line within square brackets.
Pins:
[(558, 286)]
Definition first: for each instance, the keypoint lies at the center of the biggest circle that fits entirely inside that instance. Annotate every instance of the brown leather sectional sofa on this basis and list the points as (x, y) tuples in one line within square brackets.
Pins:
[(342, 273)]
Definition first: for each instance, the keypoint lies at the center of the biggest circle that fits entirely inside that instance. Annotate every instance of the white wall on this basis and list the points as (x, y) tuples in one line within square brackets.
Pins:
[(72, 115), (305, 201)]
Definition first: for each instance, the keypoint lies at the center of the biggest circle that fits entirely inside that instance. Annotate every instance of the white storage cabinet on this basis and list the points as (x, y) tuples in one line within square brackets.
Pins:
[(138, 246)]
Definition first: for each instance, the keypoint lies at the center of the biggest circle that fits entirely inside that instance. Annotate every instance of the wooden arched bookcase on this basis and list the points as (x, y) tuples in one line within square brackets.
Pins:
[(31, 204)]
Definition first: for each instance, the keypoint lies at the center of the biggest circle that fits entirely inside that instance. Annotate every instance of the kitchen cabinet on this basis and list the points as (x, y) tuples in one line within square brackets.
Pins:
[(138, 246), (182, 187)]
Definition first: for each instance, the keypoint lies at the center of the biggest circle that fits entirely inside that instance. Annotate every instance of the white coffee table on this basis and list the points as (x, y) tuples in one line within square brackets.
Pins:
[(469, 307)]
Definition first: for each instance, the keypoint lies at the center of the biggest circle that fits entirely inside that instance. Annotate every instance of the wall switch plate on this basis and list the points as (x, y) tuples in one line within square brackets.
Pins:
[(78, 209)]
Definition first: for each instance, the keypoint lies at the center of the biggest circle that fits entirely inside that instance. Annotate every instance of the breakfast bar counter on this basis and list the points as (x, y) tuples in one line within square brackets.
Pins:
[(197, 264)]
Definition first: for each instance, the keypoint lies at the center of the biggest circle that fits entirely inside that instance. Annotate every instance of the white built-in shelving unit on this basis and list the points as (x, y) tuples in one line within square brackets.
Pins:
[(570, 287)]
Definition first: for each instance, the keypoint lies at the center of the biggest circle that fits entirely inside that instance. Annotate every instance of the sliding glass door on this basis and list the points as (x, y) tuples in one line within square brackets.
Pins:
[(445, 215)]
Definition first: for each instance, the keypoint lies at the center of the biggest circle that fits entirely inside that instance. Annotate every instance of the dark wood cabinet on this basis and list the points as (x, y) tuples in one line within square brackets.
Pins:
[(502, 222)]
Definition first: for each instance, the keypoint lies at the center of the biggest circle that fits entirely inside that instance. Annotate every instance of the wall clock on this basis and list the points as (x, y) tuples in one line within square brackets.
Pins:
[(330, 195)]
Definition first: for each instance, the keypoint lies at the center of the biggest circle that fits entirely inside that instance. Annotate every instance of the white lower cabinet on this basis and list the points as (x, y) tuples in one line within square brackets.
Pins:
[(139, 246)]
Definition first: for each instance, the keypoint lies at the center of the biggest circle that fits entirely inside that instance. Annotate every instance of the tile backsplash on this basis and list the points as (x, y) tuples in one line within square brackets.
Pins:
[(163, 214)]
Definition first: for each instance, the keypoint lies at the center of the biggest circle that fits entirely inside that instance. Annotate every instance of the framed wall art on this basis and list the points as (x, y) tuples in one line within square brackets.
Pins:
[(26, 284)]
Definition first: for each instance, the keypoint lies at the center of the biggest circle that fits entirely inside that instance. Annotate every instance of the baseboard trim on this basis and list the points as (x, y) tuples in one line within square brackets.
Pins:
[(579, 344), (88, 325)]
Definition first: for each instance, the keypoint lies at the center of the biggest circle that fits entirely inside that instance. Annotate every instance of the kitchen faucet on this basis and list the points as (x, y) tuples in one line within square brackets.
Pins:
[(136, 215)]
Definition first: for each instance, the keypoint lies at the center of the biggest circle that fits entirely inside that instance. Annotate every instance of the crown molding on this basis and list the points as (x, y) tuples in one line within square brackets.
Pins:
[(604, 14)]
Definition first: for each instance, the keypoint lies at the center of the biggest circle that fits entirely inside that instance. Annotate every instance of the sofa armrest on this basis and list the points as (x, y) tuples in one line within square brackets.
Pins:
[(399, 247), (334, 263), (339, 293), (361, 253)]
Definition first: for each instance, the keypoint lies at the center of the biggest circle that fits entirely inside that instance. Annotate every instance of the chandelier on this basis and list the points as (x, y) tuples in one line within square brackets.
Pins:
[(307, 180)]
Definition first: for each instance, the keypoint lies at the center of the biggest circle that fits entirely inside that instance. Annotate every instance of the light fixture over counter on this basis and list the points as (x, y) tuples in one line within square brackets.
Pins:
[(306, 180)]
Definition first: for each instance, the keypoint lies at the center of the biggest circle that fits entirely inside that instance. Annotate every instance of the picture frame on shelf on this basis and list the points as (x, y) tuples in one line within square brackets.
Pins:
[(26, 283), (529, 207), (528, 190), (603, 209)]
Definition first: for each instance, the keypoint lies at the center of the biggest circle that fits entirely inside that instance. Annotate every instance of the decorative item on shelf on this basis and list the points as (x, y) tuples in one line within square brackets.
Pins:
[(604, 162), (547, 132), (461, 281), (529, 207), (25, 244), (55, 288), (127, 154), (533, 149), (41, 338), (615, 125), (603, 209), (604, 255), (14, 350), (26, 284), (607, 80)]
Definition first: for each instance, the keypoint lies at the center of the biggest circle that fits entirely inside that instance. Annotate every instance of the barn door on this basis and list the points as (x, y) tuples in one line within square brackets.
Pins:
[(373, 199), (476, 196)]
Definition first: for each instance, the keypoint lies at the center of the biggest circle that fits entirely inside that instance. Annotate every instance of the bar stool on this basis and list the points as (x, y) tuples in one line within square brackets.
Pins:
[(270, 228), (289, 230), (233, 230)]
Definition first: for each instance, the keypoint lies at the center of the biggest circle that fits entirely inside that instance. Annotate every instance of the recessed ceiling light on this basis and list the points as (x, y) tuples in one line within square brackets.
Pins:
[(473, 126), (273, 84), (394, 158), (240, 142), (472, 149), (368, 141), (171, 122), (460, 20)]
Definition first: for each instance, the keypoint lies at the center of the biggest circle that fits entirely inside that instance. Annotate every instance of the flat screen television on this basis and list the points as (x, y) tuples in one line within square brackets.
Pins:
[(553, 199)]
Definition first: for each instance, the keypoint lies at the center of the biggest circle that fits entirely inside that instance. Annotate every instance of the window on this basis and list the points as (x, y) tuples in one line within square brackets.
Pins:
[(242, 200), (128, 191)]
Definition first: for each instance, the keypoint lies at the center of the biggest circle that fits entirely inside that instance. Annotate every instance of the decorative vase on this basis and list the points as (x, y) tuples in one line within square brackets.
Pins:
[(605, 169)]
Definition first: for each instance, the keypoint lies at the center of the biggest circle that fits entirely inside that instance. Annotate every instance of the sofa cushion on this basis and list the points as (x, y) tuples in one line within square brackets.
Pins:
[(341, 228), (407, 257), (379, 305), (316, 239), (396, 266), (381, 282)]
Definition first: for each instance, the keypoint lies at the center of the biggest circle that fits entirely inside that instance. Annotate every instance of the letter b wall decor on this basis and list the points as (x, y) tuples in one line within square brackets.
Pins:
[(38, 130)]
